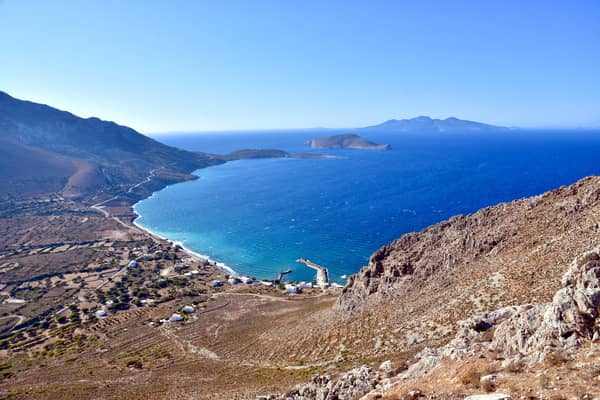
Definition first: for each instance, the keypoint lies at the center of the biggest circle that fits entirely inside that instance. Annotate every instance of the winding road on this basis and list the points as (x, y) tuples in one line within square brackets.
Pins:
[(100, 207)]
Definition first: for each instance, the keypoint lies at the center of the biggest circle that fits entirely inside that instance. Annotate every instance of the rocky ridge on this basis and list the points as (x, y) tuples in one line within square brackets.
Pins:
[(530, 333), (521, 336), (350, 385)]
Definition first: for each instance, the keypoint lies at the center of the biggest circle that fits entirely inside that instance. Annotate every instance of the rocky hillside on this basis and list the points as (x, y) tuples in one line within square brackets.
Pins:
[(510, 253), (504, 300), (549, 350), (44, 149)]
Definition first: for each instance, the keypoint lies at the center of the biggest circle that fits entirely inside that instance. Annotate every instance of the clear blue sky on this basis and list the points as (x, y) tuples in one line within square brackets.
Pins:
[(200, 65)]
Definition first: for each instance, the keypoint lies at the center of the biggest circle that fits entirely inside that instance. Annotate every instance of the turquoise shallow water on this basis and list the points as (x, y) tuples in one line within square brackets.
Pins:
[(259, 216)]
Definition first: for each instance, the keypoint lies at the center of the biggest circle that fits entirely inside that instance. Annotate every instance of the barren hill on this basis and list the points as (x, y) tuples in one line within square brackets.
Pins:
[(512, 252), (43, 147)]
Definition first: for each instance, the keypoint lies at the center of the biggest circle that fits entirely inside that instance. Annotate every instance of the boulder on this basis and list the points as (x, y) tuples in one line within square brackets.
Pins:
[(386, 367), (488, 396)]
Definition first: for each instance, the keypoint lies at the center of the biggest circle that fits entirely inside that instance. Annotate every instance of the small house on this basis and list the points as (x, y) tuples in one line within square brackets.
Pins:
[(100, 314), (175, 318), (292, 289), (246, 279), (233, 280), (133, 264), (216, 283), (188, 309)]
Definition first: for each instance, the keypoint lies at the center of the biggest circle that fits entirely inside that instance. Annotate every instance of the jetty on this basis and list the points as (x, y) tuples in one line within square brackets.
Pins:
[(282, 274), (322, 273)]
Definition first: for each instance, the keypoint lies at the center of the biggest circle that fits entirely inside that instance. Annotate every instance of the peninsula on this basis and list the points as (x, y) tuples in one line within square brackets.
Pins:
[(347, 141)]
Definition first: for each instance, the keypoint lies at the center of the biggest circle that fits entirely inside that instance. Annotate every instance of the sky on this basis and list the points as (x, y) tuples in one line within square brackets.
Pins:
[(161, 66)]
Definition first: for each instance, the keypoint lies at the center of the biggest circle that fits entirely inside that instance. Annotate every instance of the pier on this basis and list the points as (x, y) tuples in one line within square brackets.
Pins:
[(282, 274), (322, 273)]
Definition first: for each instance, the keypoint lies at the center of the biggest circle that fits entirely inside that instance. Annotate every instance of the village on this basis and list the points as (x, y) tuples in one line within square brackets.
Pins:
[(85, 283), (118, 277)]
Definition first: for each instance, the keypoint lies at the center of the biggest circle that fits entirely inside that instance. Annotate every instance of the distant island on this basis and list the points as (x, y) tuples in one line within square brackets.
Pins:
[(246, 154), (427, 124), (347, 141)]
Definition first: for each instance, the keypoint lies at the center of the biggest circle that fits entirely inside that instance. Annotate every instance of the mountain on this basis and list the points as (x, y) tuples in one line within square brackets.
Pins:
[(347, 141), (427, 124), (512, 252), (486, 302), (48, 150)]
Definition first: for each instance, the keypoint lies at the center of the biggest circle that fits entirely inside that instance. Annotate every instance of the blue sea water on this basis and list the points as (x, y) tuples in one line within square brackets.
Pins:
[(259, 216)]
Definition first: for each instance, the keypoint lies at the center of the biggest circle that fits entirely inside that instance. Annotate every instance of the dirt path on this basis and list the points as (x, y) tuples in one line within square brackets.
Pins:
[(100, 207)]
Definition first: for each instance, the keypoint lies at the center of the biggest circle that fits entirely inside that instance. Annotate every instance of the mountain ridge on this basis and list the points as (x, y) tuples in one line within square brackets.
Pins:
[(104, 156), (428, 124)]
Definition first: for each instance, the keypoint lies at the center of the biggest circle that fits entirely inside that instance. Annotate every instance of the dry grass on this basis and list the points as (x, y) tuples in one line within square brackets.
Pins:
[(557, 358)]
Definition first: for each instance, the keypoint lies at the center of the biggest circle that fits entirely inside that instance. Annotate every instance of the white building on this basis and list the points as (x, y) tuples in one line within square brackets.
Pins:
[(188, 309), (100, 314), (246, 279), (132, 264), (175, 318), (292, 289)]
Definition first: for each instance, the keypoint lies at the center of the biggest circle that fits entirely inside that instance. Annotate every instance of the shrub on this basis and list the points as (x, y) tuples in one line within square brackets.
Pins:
[(134, 363), (556, 358), (470, 376)]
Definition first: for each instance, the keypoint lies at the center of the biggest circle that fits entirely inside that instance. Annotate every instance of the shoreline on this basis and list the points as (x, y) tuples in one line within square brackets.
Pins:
[(193, 254)]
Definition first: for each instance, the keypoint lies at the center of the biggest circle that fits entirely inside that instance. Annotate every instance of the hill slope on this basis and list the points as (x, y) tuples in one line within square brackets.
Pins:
[(50, 145)]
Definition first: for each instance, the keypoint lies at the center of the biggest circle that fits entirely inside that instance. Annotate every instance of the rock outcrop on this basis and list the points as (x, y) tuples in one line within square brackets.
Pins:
[(512, 251), (523, 335), (350, 385), (530, 333)]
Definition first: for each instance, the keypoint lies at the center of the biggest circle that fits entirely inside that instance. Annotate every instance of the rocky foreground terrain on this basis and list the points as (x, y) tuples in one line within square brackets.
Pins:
[(503, 301)]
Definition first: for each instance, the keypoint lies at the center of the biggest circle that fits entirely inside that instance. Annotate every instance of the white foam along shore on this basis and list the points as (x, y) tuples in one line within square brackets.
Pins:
[(191, 253)]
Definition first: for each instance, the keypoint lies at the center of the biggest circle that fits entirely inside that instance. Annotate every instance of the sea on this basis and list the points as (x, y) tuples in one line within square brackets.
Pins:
[(259, 216)]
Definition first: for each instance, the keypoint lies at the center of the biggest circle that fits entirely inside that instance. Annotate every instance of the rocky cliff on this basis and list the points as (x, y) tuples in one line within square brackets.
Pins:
[(506, 299), (512, 252)]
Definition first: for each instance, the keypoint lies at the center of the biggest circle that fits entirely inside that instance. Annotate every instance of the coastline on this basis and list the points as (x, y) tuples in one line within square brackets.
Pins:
[(193, 254)]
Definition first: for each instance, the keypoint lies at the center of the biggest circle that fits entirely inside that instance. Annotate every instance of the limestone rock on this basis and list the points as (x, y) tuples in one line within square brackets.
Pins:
[(386, 367), (347, 386), (529, 333), (488, 396)]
